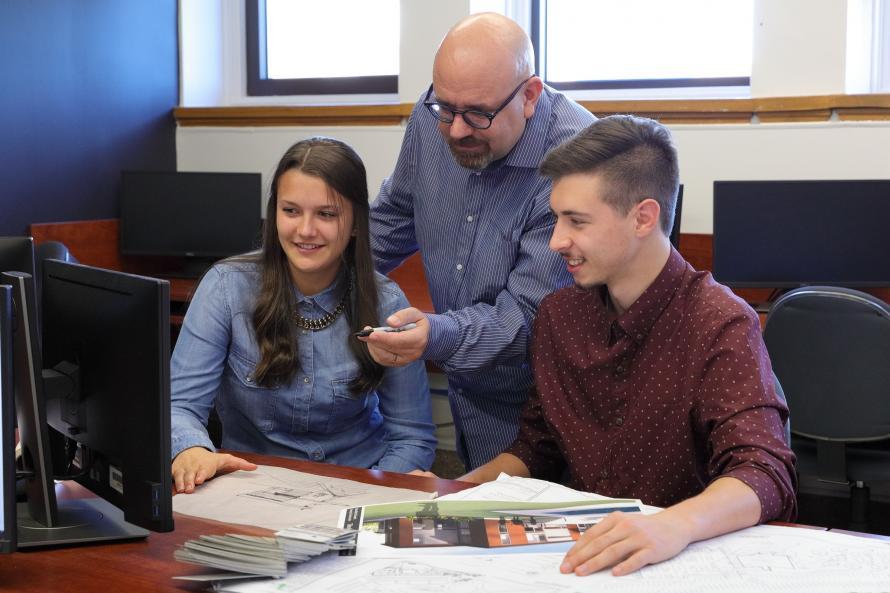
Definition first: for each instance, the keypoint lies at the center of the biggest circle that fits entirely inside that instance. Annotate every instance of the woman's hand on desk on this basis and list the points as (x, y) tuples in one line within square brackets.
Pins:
[(194, 466)]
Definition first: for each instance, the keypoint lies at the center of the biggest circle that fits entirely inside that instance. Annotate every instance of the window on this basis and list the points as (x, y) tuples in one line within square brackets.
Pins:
[(881, 68), (640, 44), (305, 47)]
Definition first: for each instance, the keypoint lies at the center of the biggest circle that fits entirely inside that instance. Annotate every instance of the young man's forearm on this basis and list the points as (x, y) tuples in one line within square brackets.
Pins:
[(727, 505)]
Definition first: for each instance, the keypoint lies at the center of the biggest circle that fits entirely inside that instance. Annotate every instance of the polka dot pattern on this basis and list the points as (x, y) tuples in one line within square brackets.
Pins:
[(659, 401)]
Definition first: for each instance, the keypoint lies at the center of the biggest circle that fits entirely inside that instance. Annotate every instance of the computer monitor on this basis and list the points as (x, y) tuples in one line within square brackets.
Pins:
[(104, 421), (7, 438), (200, 216), (678, 211), (17, 254), (30, 403), (785, 234)]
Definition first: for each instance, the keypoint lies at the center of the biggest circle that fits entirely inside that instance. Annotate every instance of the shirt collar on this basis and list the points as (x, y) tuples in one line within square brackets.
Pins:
[(330, 297), (638, 320), (533, 144)]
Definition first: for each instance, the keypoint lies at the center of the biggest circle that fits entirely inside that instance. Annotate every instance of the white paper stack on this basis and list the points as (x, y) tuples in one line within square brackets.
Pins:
[(248, 554), (244, 556), (301, 542)]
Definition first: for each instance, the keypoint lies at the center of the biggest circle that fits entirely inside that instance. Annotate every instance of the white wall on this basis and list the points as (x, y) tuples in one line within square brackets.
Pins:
[(830, 150), (257, 150), (806, 41)]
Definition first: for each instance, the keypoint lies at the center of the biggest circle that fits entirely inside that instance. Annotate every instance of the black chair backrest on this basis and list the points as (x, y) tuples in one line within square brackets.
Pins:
[(781, 393), (830, 348)]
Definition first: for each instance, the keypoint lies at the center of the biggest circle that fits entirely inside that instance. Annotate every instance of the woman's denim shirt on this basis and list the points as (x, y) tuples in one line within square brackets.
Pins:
[(314, 416)]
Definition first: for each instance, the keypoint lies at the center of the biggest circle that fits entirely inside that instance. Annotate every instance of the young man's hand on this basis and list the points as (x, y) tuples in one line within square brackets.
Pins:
[(626, 542)]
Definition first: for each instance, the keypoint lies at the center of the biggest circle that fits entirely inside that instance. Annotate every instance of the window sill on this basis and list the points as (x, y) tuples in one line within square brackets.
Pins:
[(693, 111)]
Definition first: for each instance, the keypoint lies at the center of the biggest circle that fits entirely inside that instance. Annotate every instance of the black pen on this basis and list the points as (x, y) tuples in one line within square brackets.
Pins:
[(367, 332)]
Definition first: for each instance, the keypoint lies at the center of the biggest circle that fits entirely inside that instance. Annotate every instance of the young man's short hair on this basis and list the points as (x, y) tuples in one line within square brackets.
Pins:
[(635, 156)]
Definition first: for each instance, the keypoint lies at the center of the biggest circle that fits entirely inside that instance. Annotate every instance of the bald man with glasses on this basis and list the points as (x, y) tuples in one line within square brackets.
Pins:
[(467, 194)]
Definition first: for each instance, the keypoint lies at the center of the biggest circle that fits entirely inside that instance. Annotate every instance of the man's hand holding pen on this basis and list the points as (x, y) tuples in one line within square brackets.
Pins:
[(398, 348)]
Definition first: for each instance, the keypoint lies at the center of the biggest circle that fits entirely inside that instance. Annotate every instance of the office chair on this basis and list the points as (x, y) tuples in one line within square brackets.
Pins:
[(830, 348), (51, 250), (781, 393)]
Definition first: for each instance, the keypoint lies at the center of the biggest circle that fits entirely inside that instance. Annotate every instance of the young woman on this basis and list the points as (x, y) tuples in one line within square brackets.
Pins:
[(268, 338)]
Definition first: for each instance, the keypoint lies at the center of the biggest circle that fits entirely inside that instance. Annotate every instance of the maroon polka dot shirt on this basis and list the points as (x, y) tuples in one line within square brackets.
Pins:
[(659, 401)]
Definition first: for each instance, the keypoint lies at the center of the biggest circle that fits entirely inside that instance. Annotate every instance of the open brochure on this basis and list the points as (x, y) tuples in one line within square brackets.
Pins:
[(443, 526)]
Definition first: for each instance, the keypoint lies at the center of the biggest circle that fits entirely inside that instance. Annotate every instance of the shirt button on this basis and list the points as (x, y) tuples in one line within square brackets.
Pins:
[(470, 218), (620, 369), (249, 378), (316, 455), (619, 421), (459, 267), (305, 331), (460, 391), (305, 379), (604, 474)]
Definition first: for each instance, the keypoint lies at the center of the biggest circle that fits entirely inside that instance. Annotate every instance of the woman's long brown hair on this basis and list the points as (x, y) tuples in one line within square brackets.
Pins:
[(339, 166)]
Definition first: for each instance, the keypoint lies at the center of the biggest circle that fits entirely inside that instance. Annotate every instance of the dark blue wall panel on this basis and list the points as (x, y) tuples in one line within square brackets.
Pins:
[(86, 89)]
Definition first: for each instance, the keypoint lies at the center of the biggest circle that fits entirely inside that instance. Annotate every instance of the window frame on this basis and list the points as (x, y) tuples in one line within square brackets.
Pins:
[(538, 35), (880, 82), (260, 85)]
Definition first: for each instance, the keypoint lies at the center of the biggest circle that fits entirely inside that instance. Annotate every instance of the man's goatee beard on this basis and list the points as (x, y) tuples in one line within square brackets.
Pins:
[(470, 160)]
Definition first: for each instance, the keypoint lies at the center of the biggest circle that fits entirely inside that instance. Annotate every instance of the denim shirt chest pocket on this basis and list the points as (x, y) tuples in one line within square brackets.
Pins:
[(346, 409), (246, 397)]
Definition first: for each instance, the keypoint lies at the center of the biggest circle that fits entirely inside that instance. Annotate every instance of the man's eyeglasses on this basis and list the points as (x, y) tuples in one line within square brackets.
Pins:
[(481, 120)]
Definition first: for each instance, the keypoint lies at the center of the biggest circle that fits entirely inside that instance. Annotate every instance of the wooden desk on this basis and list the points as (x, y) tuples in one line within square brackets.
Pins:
[(148, 565)]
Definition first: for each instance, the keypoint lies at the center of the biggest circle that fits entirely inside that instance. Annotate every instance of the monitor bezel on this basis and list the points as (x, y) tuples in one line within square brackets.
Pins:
[(788, 283), (8, 533)]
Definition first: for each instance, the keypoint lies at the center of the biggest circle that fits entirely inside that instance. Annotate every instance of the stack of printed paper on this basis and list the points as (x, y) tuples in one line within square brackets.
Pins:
[(250, 555)]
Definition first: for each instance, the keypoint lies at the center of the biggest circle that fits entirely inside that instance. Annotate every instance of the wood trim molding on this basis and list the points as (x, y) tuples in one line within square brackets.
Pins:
[(312, 115), (768, 109), (693, 111)]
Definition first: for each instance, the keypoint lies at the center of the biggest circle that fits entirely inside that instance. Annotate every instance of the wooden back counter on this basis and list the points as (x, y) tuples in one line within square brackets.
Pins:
[(95, 242)]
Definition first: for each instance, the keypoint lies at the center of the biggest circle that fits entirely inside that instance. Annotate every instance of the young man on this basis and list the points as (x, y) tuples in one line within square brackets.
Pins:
[(467, 193), (651, 380)]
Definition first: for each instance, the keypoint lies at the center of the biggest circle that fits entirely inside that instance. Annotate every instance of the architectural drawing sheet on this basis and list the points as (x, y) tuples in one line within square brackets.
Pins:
[(277, 498), (767, 559), (527, 490)]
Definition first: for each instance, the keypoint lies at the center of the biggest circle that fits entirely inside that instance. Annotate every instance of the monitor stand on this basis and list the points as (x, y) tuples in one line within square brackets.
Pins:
[(191, 267), (81, 521)]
